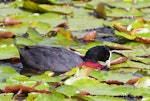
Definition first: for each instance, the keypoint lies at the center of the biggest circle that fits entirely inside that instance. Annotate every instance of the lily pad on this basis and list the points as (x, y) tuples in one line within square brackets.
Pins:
[(8, 51), (45, 97), (89, 85), (6, 97), (68, 90), (105, 98), (6, 72), (109, 76)]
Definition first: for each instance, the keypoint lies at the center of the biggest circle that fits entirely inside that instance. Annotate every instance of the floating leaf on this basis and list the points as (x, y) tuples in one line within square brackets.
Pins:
[(45, 97), (17, 78), (24, 89), (8, 51), (8, 22), (131, 64), (143, 82), (6, 34), (105, 98), (34, 35), (119, 60), (89, 85), (90, 36), (127, 36), (6, 97), (46, 8), (140, 91), (100, 9), (6, 72), (52, 1), (67, 90), (112, 76), (45, 78)]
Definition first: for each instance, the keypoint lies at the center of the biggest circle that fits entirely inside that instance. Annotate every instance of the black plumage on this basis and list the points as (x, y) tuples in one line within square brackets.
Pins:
[(58, 59)]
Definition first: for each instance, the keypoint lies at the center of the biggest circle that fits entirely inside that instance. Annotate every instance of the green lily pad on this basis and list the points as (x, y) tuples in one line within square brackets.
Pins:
[(143, 82), (45, 78), (105, 98), (131, 64), (6, 97), (33, 37), (6, 72), (125, 35), (8, 51), (89, 85), (17, 78), (140, 91), (45, 97), (46, 8), (67, 90), (106, 76)]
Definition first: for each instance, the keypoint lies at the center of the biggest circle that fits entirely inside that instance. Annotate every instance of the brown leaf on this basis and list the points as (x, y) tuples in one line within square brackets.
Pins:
[(101, 10), (142, 39), (90, 36), (6, 34), (119, 60), (121, 29), (24, 89), (13, 60), (16, 88), (114, 82), (8, 22), (132, 81), (64, 25), (84, 93), (119, 47)]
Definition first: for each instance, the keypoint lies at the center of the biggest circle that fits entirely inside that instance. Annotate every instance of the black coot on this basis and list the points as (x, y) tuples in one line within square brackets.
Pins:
[(58, 59)]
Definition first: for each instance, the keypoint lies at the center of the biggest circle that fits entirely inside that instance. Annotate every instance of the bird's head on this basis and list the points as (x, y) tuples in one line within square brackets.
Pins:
[(98, 53)]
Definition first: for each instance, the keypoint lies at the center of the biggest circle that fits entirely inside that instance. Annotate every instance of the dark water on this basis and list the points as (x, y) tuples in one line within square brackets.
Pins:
[(6, 1), (18, 66)]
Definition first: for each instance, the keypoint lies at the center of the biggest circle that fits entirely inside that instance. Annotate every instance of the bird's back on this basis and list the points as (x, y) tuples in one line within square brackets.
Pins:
[(44, 58)]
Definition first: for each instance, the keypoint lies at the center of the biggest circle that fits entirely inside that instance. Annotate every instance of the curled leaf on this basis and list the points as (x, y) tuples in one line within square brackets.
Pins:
[(9, 21), (132, 81), (119, 60), (142, 39), (85, 93), (6, 34), (143, 82), (24, 89), (114, 82), (121, 29), (119, 47), (101, 10), (90, 36)]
